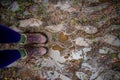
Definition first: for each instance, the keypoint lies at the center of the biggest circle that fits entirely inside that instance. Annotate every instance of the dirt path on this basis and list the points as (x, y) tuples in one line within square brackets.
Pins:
[(84, 39)]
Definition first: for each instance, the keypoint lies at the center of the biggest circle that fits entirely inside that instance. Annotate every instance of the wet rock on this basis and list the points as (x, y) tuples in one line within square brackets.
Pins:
[(55, 54), (55, 28), (105, 50), (77, 55), (87, 66), (32, 22), (88, 29), (15, 6), (63, 37), (80, 54), (86, 50), (82, 76), (111, 39), (64, 6), (81, 42), (49, 63)]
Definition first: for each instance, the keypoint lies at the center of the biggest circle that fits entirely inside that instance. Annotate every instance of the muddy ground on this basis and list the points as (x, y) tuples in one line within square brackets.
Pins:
[(84, 39)]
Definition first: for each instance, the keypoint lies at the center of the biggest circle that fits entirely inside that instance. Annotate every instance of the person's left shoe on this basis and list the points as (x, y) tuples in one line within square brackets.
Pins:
[(34, 38)]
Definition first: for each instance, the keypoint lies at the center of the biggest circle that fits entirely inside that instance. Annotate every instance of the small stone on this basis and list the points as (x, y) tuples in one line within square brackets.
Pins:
[(105, 50), (81, 41), (55, 54), (63, 37), (55, 28), (82, 76), (102, 51), (86, 50), (87, 29), (32, 22), (77, 55), (112, 40), (65, 7), (90, 29)]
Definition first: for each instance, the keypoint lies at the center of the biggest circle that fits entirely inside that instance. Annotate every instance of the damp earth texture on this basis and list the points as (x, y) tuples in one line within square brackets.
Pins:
[(84, 39)]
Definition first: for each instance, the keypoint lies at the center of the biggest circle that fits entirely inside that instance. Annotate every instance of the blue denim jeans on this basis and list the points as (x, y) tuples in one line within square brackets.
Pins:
[(8, 36)]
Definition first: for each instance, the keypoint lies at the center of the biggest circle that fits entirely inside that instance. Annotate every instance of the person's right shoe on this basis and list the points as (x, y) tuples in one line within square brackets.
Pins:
[(34, 51), (37, 50)]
